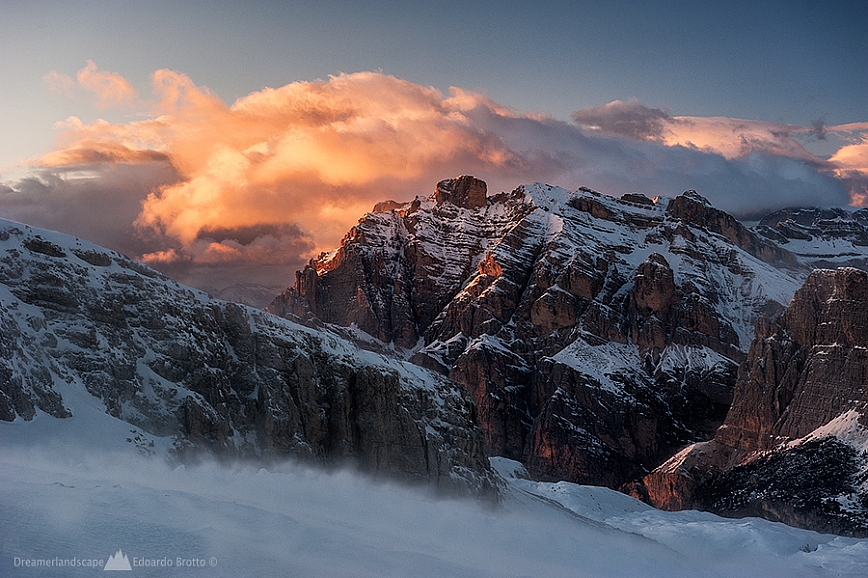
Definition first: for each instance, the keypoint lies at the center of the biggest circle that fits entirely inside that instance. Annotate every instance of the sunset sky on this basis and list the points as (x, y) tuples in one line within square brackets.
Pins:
[(225, 142)]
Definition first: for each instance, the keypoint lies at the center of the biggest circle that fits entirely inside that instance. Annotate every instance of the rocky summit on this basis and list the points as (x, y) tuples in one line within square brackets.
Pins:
[(596, 335)]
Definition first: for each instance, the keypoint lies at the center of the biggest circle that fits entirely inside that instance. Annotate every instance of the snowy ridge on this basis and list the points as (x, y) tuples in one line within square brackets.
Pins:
[(84, 328), (821, 238)]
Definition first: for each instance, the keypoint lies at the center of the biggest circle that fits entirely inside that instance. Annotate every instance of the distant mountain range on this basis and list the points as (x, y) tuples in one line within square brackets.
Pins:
[(649, 345)]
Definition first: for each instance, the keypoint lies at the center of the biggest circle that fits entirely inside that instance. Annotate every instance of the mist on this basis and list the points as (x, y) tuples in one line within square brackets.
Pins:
[(65, 501)]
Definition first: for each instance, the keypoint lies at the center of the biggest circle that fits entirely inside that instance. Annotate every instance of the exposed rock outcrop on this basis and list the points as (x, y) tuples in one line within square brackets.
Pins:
[(220, 378), (466, 192), (596, 335), (805, 379)]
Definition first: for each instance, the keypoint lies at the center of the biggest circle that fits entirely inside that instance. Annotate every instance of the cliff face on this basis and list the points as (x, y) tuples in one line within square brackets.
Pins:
[(803, 391), (220, 378), (596, 335), (806, 367), (395, 271)]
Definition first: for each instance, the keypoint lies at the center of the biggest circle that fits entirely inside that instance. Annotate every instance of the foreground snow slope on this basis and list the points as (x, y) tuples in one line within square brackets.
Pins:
[(76, 488)]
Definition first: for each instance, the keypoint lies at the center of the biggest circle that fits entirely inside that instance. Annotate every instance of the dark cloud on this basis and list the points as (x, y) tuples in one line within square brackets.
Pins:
[(99, 205), (818, 128), (247, 235), (756, 182), (631, 119)]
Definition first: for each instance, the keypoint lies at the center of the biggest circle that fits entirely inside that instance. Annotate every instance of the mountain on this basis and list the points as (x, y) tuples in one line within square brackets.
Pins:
[(794, 445), (217, 378), (106, 365), (657, 346), (820, 238), (596, 335)]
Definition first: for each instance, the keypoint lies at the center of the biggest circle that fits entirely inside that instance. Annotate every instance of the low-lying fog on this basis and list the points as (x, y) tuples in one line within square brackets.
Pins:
[(73, 496)]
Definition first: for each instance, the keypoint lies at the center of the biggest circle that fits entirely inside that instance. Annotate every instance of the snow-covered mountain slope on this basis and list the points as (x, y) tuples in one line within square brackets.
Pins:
[(820, 238), (596, 335), (79, 322), (65, 509)]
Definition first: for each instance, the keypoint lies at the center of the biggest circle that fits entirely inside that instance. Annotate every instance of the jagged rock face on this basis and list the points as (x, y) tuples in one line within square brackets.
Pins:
[(821, 238), (219, 377), (465, 191), (806, 368), (395, 271), (596, 335)]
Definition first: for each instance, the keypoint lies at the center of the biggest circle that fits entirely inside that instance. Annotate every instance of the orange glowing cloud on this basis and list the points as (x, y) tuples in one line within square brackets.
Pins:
[(317, 154), (851, 165), (734, 138), (283, 173), (109, 88)]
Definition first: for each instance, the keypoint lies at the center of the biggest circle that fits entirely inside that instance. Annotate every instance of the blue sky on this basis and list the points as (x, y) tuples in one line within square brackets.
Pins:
[(757, 105), (791, 62)]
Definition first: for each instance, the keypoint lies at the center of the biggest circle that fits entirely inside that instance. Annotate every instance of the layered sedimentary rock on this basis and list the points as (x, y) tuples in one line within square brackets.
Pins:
[(220, 378), (820, 238), (396, 270), (596, 335), (793, 446)]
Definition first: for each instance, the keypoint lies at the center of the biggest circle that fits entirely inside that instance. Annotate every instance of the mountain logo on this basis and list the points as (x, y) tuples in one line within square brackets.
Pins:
[(118, 561)]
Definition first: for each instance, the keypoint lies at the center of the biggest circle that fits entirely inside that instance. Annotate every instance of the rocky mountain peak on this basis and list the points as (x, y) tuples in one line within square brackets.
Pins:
[(695, 209), (595, 334), (466, 192)]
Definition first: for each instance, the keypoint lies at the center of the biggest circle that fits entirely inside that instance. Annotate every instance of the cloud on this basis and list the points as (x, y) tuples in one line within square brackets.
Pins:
[(59, 84), (109, 88), (631, 119), (207, 191), (735, 138), (851, 167), (729, 137), (99, 204)]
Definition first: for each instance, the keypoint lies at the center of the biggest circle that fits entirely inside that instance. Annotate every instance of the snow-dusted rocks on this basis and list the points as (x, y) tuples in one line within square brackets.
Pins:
[(77, 319), (596, 335), (820, 238), (794, 446)]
